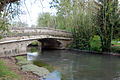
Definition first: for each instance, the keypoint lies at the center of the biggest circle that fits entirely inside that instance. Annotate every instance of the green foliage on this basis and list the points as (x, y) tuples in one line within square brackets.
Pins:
[(7, 13), (21, 60), (116, 32), (76, 17), (60, 21), (106, 19), (33, 50), (34, 43), (95, 44), (46, 20), (1, 37), (115, 42), (5, 72), (115, 46), (116, 49), (82, 32), (3, 25)]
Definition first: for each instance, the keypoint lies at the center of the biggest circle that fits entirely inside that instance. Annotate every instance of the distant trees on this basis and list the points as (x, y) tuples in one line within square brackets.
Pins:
[(46, 20), (19, 24)]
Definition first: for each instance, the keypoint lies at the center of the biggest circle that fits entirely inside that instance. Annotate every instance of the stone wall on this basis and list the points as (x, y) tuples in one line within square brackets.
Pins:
[(13, 49)]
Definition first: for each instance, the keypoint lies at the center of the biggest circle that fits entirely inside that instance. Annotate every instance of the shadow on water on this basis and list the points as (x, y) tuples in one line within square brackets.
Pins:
[(79, 66)]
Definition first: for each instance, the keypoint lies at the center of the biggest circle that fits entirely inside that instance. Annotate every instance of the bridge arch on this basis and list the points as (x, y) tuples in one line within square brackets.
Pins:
[(50, 43), (33, 43)]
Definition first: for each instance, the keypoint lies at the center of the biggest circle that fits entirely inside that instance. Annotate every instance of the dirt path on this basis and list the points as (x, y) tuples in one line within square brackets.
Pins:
[(11, 63)]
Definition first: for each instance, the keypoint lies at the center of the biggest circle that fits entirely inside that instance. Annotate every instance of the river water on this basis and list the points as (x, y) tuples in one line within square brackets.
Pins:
[(75, 65)]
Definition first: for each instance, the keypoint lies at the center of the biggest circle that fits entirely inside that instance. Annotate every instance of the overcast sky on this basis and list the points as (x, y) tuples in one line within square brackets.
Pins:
[(34, 8)]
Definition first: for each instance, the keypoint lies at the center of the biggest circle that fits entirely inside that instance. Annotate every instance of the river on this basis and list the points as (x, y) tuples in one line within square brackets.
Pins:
[(75, 65)]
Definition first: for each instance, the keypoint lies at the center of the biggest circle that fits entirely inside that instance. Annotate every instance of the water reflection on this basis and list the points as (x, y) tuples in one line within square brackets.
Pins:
[(82, 66), (31, 55), (55, 75)]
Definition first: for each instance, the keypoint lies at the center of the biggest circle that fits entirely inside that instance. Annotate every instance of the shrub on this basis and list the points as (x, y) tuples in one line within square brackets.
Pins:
[(1, 37), (115, 49), (95, 44), (34, 43)]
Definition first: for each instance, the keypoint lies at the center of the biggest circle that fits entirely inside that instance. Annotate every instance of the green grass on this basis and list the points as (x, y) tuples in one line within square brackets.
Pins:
[(21, 60), (115, 46), (95, 45), (5, 72), (115, 43)]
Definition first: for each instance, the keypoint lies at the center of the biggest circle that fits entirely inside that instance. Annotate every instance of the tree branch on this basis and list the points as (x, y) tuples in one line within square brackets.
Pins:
[(4, 2)]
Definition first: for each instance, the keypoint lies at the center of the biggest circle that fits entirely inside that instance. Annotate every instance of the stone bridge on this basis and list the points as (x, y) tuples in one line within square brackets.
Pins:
[(16, 40)]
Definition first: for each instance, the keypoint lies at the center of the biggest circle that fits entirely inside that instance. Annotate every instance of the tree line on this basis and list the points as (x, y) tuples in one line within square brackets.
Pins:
[(86, 19)]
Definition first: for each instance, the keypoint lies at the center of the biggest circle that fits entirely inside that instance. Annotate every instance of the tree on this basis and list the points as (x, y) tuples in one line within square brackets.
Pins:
[(8, 10), (76, 16), (106, 19), (46, 20), (4, 3), (19, 24)]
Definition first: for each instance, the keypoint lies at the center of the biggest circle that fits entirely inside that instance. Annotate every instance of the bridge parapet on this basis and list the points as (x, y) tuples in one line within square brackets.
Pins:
[(14, 32)]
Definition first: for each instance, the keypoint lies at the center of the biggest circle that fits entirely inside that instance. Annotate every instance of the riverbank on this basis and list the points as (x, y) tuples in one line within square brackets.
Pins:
[(10, 62), (96, 52)]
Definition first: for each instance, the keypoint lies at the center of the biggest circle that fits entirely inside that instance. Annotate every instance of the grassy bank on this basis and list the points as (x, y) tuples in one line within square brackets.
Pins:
[(95, 45), (115, 46), (6, 73)]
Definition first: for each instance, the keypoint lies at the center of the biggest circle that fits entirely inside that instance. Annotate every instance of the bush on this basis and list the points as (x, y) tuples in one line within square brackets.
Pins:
[(34, 43), (115, 49), (82, 31), (95, 44), (1, 37)]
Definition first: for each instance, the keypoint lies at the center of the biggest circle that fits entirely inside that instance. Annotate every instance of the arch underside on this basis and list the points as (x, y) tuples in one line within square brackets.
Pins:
[(50, 43)]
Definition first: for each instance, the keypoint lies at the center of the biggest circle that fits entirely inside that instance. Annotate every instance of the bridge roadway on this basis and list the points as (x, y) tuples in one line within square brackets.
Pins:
[(16, 41)]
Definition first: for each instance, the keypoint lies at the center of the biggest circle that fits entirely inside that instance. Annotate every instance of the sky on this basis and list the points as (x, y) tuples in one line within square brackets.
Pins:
[(32, 10)]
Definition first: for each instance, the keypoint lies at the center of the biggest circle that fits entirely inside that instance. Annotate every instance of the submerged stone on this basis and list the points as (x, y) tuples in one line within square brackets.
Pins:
[(40, 71)]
